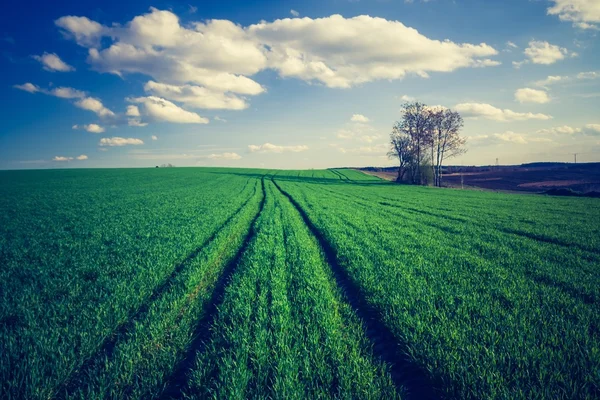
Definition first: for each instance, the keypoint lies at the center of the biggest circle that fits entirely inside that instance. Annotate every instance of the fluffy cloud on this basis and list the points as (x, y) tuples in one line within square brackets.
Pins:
[(592, 129), (85, 31), (540, 52), (154, 137), (528, 95), (294, 13), (53, 63), (271, 148), (133, 111), (359, 118), (119, 141), (475, 110), (28, 87), (82, 157), (198, 96), (560, 130), (588, 75), (407, 98), (67, 93), (159, 109), (551, 80), (224, 156), (93, 128), (584, 14), (218, 55), (94, 105), (318, 50)]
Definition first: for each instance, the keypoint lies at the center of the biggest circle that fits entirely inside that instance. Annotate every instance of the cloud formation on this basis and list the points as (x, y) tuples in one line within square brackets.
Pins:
[(477, 110), (584, 14), (161, 110), (272, 148), (528, 95), (93, 128), (359, 118), (119, 141), (51, 62), (217, 57), (224, 156)]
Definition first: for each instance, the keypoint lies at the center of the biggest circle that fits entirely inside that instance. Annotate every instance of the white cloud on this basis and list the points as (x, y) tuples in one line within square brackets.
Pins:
[(224, 156), (528, 95), (407, 98), (53, 63), (85, 31), (318, 50), (133, 111), (505, 137), (82, 157), (119, 141), (62, 158), (560, 130), (67, 93), (94, 105), (28, 87), (271, 148), (294, 13), (217, 118), (551, 80), (540, 52), (219, 55), (136, 122), (93, 128), (154, 137), (511, 45), (160, 109), (584, 14), (198, 96), (359, 118), (475, 110), (589, 75), (592, 129)]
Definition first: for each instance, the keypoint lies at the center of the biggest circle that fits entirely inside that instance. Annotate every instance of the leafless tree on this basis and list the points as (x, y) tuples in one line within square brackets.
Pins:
[(401, 148), (423, 139), (446, 140)]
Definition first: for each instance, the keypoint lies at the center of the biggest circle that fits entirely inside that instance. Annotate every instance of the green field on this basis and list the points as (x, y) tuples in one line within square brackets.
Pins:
[(239, 283)]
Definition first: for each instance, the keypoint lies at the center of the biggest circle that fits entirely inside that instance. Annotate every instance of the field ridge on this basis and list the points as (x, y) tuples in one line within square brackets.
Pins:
[(106, 347), (178, 381), (405, 374)]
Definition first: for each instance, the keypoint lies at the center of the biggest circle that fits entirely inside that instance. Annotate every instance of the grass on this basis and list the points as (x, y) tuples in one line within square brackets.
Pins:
[(233, 283)]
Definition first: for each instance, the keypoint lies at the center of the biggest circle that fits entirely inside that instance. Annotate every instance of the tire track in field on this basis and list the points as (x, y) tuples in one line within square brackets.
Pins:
[(108, 344), (177, 383), (342, 177), (407, 377)]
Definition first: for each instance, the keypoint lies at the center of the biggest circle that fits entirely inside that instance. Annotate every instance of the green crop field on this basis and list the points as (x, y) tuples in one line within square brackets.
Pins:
[(268, 284)]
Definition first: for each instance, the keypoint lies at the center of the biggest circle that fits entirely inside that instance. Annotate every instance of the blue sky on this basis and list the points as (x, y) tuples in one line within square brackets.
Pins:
[(292, 84)]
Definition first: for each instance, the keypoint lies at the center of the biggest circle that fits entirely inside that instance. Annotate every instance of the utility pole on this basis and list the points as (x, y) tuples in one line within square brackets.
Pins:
[(497, 164), (575, 154)]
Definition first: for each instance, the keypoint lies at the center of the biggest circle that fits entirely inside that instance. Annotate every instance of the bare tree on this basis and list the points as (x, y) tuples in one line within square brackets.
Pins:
[(401, 148), (423, 139), (416, 124), (446, 141)]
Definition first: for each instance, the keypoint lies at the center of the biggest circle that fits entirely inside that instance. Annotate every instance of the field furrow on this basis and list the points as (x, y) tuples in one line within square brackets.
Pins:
[(284, 330)]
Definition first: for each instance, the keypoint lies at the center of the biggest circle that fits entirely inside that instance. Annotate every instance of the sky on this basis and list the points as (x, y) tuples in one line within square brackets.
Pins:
[(293, 84)]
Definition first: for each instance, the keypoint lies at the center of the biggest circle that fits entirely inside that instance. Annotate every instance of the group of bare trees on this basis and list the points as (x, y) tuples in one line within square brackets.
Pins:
[(423, 139)]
